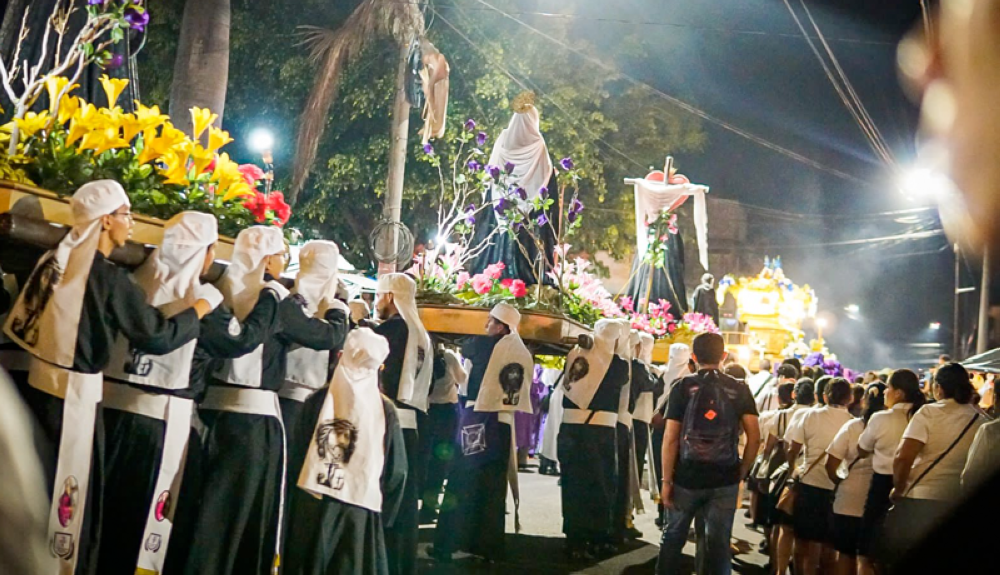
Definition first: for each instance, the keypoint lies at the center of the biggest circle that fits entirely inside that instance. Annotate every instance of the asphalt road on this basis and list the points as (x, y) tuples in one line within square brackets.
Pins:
[(539, 546)]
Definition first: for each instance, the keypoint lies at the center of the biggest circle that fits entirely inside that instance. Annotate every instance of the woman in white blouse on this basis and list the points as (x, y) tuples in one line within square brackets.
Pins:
[(852, 472), (927, 470), (879, 440)]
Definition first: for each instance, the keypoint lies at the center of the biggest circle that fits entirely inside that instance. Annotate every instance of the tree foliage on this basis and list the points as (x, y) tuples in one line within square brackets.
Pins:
[(586, 113)]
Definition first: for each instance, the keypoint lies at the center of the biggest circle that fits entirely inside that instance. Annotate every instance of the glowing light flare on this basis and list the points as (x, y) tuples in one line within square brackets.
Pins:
[(925, 185), (261, 140), (935, 325)]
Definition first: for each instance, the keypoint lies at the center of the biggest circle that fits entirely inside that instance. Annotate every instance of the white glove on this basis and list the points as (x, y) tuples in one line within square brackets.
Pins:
[(209, 293)]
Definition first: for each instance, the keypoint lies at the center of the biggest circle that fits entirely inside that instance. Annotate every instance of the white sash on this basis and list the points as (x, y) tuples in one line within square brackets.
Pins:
[(171, 371), (589, 417), (407, 417), (81, 392), (644, 407), (245, 371), (307, 371), (177, 413)]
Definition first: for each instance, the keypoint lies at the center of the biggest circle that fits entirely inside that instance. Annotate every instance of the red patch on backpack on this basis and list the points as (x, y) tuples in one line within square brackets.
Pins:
[(710, 414)]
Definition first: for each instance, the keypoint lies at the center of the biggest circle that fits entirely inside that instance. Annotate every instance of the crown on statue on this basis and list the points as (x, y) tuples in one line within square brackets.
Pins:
[(523, 102)]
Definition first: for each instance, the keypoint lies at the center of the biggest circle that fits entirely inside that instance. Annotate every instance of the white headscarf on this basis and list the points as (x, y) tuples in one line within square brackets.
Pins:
[(45, 319), (623, 347), (243, 280), (593, 363), (317, 278), (646, 351), (523, 145), (677, 366), (170, 275), (418, 364), (445, 388), (346, 453), (510, 363), (170, 279)]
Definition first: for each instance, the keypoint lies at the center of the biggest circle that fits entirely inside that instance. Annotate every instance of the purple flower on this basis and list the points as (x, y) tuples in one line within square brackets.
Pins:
[(470, 208), (94, 2), (571, 217), (566, 163), (429, 149), (137, 20), (470, 219), (576, 206), (481, 139), (501, 205), (508, 167), (543, 192), (470, 124), (116, 61), (521, 193), (517, 226), (474, 166), (542, 220), (494, 172)]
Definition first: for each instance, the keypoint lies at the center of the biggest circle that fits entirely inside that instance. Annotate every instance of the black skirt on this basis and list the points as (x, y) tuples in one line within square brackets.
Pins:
[(813, 509), (588, 460), (876, 506), (845, 534)]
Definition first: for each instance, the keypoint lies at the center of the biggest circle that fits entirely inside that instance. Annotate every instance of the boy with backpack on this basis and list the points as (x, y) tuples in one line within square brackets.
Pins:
[(702, 467)]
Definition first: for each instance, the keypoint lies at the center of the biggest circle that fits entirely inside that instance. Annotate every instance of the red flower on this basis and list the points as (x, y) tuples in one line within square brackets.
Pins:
[(518, 288), (258, 206), (506, 283), (211, 167), (251, 173), (282, 211)]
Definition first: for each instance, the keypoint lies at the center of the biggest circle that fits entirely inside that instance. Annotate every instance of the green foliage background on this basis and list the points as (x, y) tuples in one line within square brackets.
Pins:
[(585, 111)]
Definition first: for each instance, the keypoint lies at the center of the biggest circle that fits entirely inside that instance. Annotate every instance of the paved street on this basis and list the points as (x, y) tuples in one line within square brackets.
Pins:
[(539, 546)]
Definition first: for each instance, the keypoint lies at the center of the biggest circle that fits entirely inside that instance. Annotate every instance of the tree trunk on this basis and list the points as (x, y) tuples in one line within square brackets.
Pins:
[(201, 71), (397, 148)]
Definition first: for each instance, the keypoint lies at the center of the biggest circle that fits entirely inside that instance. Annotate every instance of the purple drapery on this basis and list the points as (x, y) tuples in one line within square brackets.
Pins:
[(528, 425)]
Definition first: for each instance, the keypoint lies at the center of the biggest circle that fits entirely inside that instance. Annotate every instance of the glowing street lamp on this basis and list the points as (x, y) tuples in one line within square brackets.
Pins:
[(820, 324), (935, 325), (262, 142), (925, 184)]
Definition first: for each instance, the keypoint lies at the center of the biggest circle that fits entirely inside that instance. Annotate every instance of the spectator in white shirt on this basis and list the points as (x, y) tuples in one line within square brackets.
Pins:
[(928, 466), (767, 400), (814, 504), (852, 472), (782, 536), (984, 457), (759, 380), (879, 441)]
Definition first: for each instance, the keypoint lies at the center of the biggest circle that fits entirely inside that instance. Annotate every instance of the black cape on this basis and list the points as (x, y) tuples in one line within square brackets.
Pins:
[(330, 537), (668, 283), (472, 512), (588, 458)]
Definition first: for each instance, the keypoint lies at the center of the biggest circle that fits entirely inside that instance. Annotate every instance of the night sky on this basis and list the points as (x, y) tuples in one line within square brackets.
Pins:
[(746, 63)]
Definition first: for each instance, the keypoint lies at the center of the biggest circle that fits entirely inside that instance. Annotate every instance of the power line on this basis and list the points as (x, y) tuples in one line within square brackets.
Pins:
[(686, 106), (659, 23)]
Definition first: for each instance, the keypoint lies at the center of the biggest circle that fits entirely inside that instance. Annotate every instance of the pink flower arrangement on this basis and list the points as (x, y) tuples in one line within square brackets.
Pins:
[(462, 279), (700, 323), (577, 280), (488, 288), (494, 271), (482, 284)]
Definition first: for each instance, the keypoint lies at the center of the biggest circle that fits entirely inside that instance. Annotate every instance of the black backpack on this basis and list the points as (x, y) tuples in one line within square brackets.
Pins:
[(710, 430)]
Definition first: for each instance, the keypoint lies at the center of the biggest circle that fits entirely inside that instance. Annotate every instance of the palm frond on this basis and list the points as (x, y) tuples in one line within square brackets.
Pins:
[(333, 51)]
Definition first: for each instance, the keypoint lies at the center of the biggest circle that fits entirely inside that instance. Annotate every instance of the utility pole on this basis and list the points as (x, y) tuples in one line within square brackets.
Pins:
[(392, 209), (983, 338)]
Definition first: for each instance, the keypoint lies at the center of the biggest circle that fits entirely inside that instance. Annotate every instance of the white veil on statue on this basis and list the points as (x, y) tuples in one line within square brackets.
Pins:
[(522, 144)]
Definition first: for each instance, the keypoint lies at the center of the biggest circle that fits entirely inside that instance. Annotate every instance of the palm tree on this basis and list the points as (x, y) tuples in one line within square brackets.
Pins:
[(201, 70), (334, 50)]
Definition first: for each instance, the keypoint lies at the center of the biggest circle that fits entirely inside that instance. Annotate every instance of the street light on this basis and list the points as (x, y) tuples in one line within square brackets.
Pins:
[(262, 142), (925, 184), (935, 325), (853, 309), (820, 324)]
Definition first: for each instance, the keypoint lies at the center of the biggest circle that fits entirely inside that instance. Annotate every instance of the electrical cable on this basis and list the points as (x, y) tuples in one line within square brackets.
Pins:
[(688, 107)]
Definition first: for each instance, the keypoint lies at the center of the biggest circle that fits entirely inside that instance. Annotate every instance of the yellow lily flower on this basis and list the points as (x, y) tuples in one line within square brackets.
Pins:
[(103, 140), (84, 120), (113, 87), (149, 117), (237, 190), (67, 108), (155, 147), (55, 86), (32, 123), (130, 127), (176, 169), (200, 157), (217, 138), (201, 119)]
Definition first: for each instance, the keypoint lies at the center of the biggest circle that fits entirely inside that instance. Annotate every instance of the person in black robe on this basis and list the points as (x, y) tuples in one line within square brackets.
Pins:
[(587, 446), (406, 380), (110, 304), (335, 535), (438, 445), (643, 382), (239, 523), (704, 298)]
